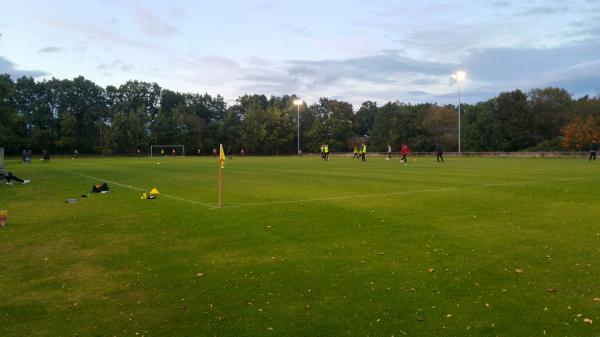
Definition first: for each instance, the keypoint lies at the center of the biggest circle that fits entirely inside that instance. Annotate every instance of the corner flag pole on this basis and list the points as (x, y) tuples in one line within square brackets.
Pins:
[(221, 162)]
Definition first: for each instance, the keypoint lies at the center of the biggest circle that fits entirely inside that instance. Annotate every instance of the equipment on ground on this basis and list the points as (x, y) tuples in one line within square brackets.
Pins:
[(100, 188)]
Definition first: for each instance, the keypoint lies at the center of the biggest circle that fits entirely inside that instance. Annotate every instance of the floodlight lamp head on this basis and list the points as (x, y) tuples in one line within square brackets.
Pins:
[(298, 102), (459, 76)]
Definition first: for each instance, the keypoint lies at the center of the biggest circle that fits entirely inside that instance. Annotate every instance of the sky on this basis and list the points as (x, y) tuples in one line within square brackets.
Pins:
[(354, 50)]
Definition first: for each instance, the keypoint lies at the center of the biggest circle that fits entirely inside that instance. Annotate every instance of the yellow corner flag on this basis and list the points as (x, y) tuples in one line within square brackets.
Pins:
[(221, 156)]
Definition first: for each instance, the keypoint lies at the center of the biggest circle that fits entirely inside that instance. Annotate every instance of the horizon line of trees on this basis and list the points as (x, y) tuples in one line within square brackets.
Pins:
[(63, 115)]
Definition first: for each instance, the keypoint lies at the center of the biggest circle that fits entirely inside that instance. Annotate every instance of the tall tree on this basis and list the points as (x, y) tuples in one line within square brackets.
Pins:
[(514, 112)]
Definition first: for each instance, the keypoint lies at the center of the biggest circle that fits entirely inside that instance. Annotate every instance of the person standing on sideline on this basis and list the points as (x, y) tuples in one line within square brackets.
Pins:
[(593, 149), (24, 156), (229, 154), (439, 151), (45, 156), (355, 152), (242, 152), (214, 152), (363, 153), (389, 152), (405, 150)]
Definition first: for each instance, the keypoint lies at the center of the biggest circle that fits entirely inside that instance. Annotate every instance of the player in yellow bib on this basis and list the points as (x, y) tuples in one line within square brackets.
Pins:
[(363, 153)]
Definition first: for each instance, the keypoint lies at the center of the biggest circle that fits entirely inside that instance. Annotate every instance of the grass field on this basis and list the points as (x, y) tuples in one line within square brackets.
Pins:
[(470, 247)]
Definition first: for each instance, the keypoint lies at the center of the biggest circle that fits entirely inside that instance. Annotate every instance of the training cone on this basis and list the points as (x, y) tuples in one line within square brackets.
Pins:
[(154, 191)]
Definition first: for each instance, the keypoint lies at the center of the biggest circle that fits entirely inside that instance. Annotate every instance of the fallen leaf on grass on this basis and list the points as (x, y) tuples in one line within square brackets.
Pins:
[(449, 316), (269, 328), (596, 299), (421, 319), (430, 270), (381, 253), (587, 321), (551, 290), (200, 274), (519, 270)]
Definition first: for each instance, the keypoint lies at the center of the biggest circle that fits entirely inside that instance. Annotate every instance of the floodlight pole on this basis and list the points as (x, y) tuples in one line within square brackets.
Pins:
[(459, 110), (298, 102), (298, 113), (459, 76)]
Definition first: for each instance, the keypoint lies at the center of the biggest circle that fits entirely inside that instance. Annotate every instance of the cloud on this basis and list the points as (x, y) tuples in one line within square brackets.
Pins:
[(295, 30), (50, 49), (114, 65), (387, 75), (92, 32), (264, 6), (7, 67), (545, 10), (152, 25), (500, 4), (529, 65), (381, 68)]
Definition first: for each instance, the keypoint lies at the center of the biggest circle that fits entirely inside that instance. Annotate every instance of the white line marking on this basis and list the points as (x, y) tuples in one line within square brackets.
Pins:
[(404, 192), (139, 189), (213, 206)]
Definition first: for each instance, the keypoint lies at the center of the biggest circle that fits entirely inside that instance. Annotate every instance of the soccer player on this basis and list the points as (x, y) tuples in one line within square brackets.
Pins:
[(405, 150), (75, 154), (45, 156), (355, 152), (389, 151), (214, 152), (162, 152), (242, 152), (363, 153), (173, 152), (9, 177), (439, 150), (229, 154), (593, 150), (326, 151)]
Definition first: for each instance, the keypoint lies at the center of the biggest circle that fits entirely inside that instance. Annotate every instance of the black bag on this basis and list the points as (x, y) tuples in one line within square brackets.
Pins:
[(100, 188)]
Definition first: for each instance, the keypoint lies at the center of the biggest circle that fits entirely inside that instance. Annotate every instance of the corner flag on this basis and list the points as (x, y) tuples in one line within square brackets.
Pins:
[(221, 155)]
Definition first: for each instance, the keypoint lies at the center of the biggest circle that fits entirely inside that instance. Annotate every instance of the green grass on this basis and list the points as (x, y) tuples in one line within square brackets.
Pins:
[(302, 248)]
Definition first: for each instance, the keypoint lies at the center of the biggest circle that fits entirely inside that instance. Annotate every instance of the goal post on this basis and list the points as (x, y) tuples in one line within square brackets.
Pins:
[(167, 150)]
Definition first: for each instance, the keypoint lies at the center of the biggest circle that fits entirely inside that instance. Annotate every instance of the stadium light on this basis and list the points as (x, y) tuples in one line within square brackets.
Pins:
[(298, 103), (458, 77)]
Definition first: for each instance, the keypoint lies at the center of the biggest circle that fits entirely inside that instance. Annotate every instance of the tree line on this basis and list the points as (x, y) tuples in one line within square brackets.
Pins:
[(63, 115)]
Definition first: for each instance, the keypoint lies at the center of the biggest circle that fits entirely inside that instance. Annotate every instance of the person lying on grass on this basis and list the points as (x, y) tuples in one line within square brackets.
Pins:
[(9, 177)]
